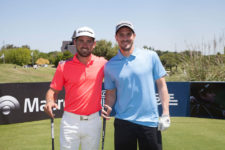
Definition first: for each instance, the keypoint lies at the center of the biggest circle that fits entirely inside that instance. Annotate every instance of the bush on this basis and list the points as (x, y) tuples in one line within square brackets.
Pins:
[(204, 68), (42, 61), (19, 56), (62, 56)]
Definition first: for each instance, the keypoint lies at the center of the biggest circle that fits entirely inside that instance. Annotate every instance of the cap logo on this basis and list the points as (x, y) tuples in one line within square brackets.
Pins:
[(124, 24), (85, 31)]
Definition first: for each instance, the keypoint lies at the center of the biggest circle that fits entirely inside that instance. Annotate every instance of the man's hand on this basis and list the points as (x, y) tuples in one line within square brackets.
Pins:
[(164, 122), (49, 106), (106, 112)]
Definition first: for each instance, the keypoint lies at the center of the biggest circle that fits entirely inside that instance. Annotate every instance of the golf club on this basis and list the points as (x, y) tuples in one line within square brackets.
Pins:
[(103, 131), (52, 132)]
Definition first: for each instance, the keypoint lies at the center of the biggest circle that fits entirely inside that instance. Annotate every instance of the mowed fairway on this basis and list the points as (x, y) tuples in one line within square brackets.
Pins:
[(185, 133), (10, 73)]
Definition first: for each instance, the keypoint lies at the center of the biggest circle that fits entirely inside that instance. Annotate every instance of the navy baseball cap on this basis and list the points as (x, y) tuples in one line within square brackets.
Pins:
[(124, 24)]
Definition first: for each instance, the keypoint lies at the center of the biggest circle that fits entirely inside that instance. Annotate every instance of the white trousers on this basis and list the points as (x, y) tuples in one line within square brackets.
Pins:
[(76, 130)]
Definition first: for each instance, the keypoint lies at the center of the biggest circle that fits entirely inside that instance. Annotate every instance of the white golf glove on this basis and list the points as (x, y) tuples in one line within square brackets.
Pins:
[(164, 122)]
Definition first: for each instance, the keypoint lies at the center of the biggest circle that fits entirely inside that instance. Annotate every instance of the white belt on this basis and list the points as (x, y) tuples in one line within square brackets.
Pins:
[(82, 117)]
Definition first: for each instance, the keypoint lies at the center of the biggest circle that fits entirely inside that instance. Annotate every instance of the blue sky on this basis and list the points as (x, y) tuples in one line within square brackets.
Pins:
[(173, 25)]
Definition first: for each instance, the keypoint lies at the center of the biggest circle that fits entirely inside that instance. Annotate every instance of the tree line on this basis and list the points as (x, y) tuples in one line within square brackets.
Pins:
[(25, 56), (192, 63)]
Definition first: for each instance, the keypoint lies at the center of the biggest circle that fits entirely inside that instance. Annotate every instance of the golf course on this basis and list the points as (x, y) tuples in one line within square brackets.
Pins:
[(185, 133)]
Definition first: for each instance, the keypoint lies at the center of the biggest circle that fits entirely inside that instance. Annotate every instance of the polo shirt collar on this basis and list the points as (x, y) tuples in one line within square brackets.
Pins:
[(77, 61), (133, 54)]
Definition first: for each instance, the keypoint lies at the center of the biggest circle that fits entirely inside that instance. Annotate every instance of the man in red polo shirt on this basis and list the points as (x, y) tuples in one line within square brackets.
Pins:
[(82, 78)]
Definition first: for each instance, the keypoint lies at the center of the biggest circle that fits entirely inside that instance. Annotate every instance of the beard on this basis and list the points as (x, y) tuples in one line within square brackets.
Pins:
[(126, 47), (84, 52)]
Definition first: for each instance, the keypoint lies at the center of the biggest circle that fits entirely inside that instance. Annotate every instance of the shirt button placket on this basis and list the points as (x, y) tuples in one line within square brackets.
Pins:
[(85, 71)]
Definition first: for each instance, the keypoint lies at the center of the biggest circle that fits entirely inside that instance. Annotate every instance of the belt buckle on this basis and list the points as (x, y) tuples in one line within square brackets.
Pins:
[(83, 117)]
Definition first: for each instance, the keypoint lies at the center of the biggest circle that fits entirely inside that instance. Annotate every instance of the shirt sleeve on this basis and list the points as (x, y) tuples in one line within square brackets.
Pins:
[(158, 69), (58, 79), (108, 81)]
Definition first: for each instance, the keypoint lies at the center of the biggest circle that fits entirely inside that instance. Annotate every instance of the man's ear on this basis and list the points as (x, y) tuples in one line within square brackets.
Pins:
[(94, 44), (116, 38)]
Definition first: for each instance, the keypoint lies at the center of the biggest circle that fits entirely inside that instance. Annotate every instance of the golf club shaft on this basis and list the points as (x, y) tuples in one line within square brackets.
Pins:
[(52, 132), (103, 133)]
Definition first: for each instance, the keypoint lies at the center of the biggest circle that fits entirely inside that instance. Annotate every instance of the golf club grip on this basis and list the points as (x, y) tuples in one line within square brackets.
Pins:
[(103, 130), (53, 144)]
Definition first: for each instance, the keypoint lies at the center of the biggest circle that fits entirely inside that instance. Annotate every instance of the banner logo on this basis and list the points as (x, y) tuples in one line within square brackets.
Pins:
[(7, 104), (172, 102)]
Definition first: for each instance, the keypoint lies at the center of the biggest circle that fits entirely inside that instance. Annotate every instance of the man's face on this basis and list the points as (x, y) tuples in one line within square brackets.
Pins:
[(125, 38), (84, 45)]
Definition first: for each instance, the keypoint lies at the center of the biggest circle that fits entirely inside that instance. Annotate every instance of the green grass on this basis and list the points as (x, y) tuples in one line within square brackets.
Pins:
[(10, 73), (188, 133), (185, 133)]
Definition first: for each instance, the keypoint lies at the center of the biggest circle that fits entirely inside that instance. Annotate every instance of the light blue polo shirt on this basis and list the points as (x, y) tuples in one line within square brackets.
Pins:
[(134, 79)]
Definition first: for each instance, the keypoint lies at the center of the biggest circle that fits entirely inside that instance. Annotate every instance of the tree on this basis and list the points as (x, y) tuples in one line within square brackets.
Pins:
[(160, 53), (36, 54), (224, 50), (58, 58), (67, 55), (52, 56), (112, 52), (8, 46), (19, 56), (170, 60), (62, 56), (102, 47), (148, 48), (25, 46), (43, 55)]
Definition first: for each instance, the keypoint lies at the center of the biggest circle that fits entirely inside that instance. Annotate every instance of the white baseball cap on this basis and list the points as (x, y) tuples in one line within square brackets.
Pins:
[(83, 31), (124, 24)]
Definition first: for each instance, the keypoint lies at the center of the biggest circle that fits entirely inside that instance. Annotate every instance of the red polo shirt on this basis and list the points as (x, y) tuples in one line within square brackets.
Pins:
[(82, 83)]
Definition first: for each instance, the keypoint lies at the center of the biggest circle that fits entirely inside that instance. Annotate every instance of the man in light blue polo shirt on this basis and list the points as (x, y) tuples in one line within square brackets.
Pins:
[(130, 79)]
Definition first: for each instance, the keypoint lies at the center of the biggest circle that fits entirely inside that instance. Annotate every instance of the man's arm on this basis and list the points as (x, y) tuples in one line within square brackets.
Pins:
[(51, 97), (110, 99), (163, 95), (164, 120)]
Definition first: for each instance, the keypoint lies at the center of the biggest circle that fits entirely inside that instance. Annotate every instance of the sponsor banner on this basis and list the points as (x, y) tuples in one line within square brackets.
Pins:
[(21, 102), (207, 100), (179, 98)]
